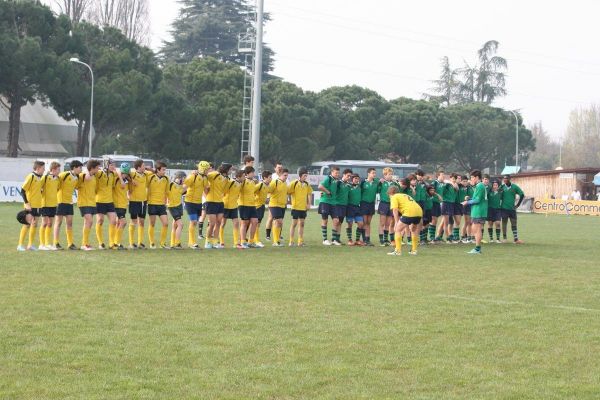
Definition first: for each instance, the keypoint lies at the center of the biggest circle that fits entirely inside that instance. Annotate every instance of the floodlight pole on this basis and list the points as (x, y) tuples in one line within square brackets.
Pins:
[(76, 60), (516, 139), (256, 98)]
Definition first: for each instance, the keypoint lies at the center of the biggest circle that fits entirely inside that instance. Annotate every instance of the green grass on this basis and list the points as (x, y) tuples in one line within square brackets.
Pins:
[(519, 322)]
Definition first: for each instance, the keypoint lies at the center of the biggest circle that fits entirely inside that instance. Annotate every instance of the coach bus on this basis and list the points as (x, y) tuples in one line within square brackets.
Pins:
[(323, 168)]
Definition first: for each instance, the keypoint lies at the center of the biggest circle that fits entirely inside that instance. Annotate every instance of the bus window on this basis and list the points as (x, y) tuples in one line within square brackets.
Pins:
[(326, 171)]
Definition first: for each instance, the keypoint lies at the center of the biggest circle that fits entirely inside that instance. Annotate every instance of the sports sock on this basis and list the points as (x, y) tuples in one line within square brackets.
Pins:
[(498, 233), (23, 234), (415, 242), (367, 239), (99, 234), (256, 236), (236, 236), (42, 236), (268, 231), (49, 235), (324, 232), (491, 233), (164, 230), (70, 241), (112, 230), (86, 236), (358, 234), (478, 248), (276, 234), (140, 230), (392, 237), (349, 233), (151, 235), (423, 235), (381, 238), (200, 227), (222, 234), (32, 232), (119, 235), (431, 232), (385, 235), (455, 233), (191, 235), (131, 232), (398, 242), (515, 234)]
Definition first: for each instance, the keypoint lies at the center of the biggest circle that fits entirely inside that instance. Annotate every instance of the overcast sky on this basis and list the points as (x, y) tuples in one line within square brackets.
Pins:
[(394, 47)]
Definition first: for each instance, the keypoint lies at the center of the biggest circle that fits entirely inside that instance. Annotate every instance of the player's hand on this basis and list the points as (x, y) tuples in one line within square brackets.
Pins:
[(28, 207), (196, 172), (464, 203)]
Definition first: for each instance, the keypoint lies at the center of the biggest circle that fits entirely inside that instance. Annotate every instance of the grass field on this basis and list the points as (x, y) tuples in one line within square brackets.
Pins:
[(519, 322)]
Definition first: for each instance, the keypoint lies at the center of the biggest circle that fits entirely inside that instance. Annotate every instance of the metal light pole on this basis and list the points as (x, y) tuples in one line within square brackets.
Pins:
[(516, 139), (256, 98), (76, 60)]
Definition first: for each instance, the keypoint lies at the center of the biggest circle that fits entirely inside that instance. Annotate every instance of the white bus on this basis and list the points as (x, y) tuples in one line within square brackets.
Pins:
[(323, 168)]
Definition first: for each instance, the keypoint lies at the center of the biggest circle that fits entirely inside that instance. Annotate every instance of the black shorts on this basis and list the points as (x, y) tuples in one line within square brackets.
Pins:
[(299, 214), (105, 208), (367, 208), (176, 212), (247, 213), (36, 212), (326, 210), (427, 214), (64, 209), (87, 211), (48, 212), (384, 209), (137, 209), (193, 210), (214, 208), (512, 214), (436, 210), (410, 220), (157, 209), (480, 221), (458, 209), (448, 208), (121, 212), (230, 213), (494, 214), (260, 213), (277, 212), (339, 212), (467, 210)]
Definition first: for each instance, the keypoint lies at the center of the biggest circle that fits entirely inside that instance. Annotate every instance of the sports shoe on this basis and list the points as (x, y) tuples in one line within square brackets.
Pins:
[(133, 247), (292, 244), (121, 247), (200, 236), (485, 241), (387, 243), (219, 246), (465, 241), (251, 246), (72, 247), (350, 243), (152, 246), (326, 242), (259, 245), (43, 248), (412, 253), (165, 247), (21, 248), (240, 246), (177, 247), (196, 246), (51, 248), (101, 246), (498, 241), (277, 244), (207, 245), (87, 247), (474, 251), (32, 248), (359, 243), (394, 253), (142, 246), (518, 241), (382, 244), (57, 246), (301, 244), (267, 237), (369, 244)]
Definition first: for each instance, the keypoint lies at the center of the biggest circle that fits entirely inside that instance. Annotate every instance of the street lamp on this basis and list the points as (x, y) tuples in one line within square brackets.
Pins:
[(516, 140), (76, 60)]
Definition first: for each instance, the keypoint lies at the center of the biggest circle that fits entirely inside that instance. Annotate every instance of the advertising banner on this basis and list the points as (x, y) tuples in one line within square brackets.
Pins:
[(567, 207)]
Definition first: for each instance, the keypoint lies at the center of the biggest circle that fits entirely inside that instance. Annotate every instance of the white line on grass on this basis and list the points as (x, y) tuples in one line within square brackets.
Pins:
[(504, 302)]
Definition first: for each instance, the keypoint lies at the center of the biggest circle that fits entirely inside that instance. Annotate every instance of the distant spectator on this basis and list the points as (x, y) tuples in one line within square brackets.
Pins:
[(576, 195), (598, 196), (565, 197)]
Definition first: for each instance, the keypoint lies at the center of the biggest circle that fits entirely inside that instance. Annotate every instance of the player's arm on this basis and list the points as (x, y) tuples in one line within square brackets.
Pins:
[(521, 196), (322, 187), (396, 215), (24, 192), (308, 198)]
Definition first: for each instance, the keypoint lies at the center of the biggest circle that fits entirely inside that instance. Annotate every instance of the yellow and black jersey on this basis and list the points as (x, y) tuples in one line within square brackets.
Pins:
[(32, 187), (50, 185), (67, 183)]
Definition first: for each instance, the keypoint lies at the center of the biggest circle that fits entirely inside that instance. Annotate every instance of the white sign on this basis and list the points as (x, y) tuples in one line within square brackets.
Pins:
[(565, 175), (10, 191)]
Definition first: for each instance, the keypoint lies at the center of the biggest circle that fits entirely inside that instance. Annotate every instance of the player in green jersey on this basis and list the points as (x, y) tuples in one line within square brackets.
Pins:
[(466, 190), (328, 188), (341, 207), (449, 193), (386, 217), (494, 210), (369, 189), (509, 208), (353, 213), (479, 208), (436, 210)]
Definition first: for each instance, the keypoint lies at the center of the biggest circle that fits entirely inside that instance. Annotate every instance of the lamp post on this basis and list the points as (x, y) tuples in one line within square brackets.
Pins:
[(77, 61), (516, 139)]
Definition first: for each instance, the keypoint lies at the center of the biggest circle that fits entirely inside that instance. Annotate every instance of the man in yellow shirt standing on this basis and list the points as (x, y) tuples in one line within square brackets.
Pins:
[(215, 208), (176, 191), (230, 204), (68, 181), (105, 204), (407, 214), (31, 191), (138, 197), (86, 200), (300, 191), (278, 203), (158, 188), (50, 184), (260, 199), (121, 201), (247, 208), (195, 184)]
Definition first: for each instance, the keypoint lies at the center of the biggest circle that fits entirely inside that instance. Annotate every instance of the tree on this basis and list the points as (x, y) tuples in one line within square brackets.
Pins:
[(445, 90), (132, 17), (26, 27), (76, 10), (210, 28), (490, 82), (546, 154), (582, 140)]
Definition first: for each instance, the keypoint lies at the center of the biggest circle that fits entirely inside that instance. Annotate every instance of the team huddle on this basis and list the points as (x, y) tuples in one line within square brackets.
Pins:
[(418, 209)]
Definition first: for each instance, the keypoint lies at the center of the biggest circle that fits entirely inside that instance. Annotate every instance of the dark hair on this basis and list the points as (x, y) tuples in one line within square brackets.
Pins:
[(224, 168), (476, 173), (265, 174), (506, 177), (239, 173), (370, 169), (429, 187), (347, 171), (285, 171), (335, 169), (497, 182), (138, 163), (159, 165), (454, 175), (355, 176), (76, 164), (465, 178), (248, 159), (411, 177), (406, 181), (302, 171), (38, 164), (91, 164), (249, 170), (278, 163), (393, 189), (486, 176), (420, 172)]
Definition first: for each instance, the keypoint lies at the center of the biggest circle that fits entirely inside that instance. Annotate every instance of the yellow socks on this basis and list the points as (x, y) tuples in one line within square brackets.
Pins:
[(49, 235), (140, 235), (151, 235), (222, 234), (42, 236), (23, 234), (398, 240), (99, 234), (70, 241), (236, 236), (415, 242), (191, 234), (86, 236), (276, 234), (32, 232), (164, 230), (131, 233), (118, 235), (112, 235), (256, 236)]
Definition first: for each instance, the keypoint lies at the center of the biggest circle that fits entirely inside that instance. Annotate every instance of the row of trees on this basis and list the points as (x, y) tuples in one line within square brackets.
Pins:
[(186, 102)]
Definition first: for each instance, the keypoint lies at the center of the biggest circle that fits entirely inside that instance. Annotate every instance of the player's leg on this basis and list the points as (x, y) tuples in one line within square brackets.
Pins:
[(477, 224), (253, 229), (220, 221), (141, 223), (513, 227), (151, 227), (99, 232), (269, 226), (293, 226), (112, 228), (236, 232), (324, 211), (349, 225), (88, 221), (301, 231), (414, 233), (56, 231), (505, 218), (164, 229), (398, 230), (35, 222), (201, 222)]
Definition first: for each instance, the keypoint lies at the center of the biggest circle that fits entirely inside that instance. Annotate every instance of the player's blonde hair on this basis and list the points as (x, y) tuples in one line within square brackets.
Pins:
[(388, 170)]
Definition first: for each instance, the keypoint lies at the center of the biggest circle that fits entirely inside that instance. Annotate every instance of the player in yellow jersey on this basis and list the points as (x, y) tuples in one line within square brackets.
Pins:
[(138, 197), (86, 200), (247, 208), (68, 181), (278, 203), (260, 199), (158, 188), (195, 185), (31, 191), (120, 200), (49, 203), (203, 213), (176, 191), (299, 191), (230, 204), (215, 208), (407, 214), (105, 206)]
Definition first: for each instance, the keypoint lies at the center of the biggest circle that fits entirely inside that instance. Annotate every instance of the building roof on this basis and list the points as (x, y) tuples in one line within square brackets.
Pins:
[(593, 170)]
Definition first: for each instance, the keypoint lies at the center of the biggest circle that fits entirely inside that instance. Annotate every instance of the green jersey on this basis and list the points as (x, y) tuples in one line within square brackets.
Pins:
[(462, 194), (383, 188), (509, 193), (449, 193), (420, 192), (369, 191), (355, 195), (428, 201), (343, 191), (479, 209), (494, 199), (331, 184), (439, 189)]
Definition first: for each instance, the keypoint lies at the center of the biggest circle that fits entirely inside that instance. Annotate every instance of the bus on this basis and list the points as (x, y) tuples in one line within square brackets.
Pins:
[(323, 168)]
